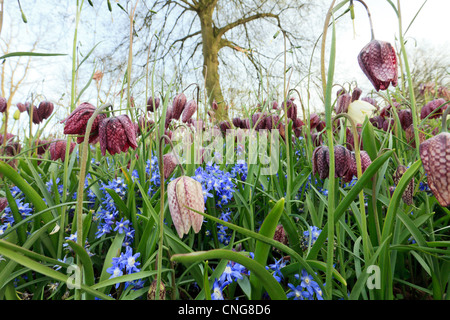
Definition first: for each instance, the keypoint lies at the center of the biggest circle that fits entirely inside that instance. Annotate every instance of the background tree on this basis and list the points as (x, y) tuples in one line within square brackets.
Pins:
[(197, 36)]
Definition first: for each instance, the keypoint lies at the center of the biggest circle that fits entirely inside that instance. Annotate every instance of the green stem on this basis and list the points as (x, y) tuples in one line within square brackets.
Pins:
[(80, 191), (409, 78)]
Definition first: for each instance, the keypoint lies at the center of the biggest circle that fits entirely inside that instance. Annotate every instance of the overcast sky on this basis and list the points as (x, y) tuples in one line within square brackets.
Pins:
[(52, 76)]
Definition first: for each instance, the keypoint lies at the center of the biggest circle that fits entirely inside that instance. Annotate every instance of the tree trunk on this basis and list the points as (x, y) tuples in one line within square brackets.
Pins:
[(211, 47)]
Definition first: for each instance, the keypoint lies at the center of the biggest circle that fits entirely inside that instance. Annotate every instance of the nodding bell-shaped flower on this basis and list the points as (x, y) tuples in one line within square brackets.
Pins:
[(358, 110), (407, 195), (435, 156), (183, 194), (152, 104), (36, 118), (189, 110), (117, 134), (170, 163), (45, 109), (3, 104), (432, 106), (21, 107), (57, 149), (345, 162), (378, 61), (178, 105), (321, 159), (77, 121)]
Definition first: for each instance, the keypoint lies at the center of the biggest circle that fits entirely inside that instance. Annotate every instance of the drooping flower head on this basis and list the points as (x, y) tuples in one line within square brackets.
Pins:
[(77, 121), (378, 61), (184, 193), (435, 156), (58, 149), (117, 134)]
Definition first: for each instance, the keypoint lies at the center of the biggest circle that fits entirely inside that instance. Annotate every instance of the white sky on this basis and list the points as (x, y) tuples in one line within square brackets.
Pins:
[(430, 29)]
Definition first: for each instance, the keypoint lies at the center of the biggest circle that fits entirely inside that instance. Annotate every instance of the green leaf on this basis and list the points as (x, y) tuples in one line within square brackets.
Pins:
[(49, 272), (267, 229), (273, 288), (31, 54)]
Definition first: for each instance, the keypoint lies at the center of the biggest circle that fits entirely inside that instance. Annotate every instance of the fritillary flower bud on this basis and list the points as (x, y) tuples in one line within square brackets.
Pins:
[(151, 294), (3, 104), (58, 149), (214, 105), (435, 156), (117, 134), (378, 61), (152, 104), (407, 195), (280, 235), (189, 110), (178, 106), (183, 194), (430, 107), (77, 121)]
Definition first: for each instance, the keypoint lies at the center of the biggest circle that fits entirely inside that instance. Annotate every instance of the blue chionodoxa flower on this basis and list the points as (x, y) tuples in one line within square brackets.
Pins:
[(126, 263), (217, 293)]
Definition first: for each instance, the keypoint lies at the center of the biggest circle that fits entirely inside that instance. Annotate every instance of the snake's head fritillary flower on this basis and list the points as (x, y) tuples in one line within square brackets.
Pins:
[(21, 107), (342, 103), (36, 118), (378, 61), (77, 121), (405, 117), (170, 162), (183, 194), (321, 159), (280, 235), (435, 156), (189, 110), (407, 195), (237, 122), (117, 134), (151, 294), (152, 104), (431, 106), (224, 125), (3, 104), (179, 102), (57, 149), (3, 203), (352, 167), (45, 109)]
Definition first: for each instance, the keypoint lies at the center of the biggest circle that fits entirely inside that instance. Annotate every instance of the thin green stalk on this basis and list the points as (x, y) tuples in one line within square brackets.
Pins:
[(161, 211), (409, 78)]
